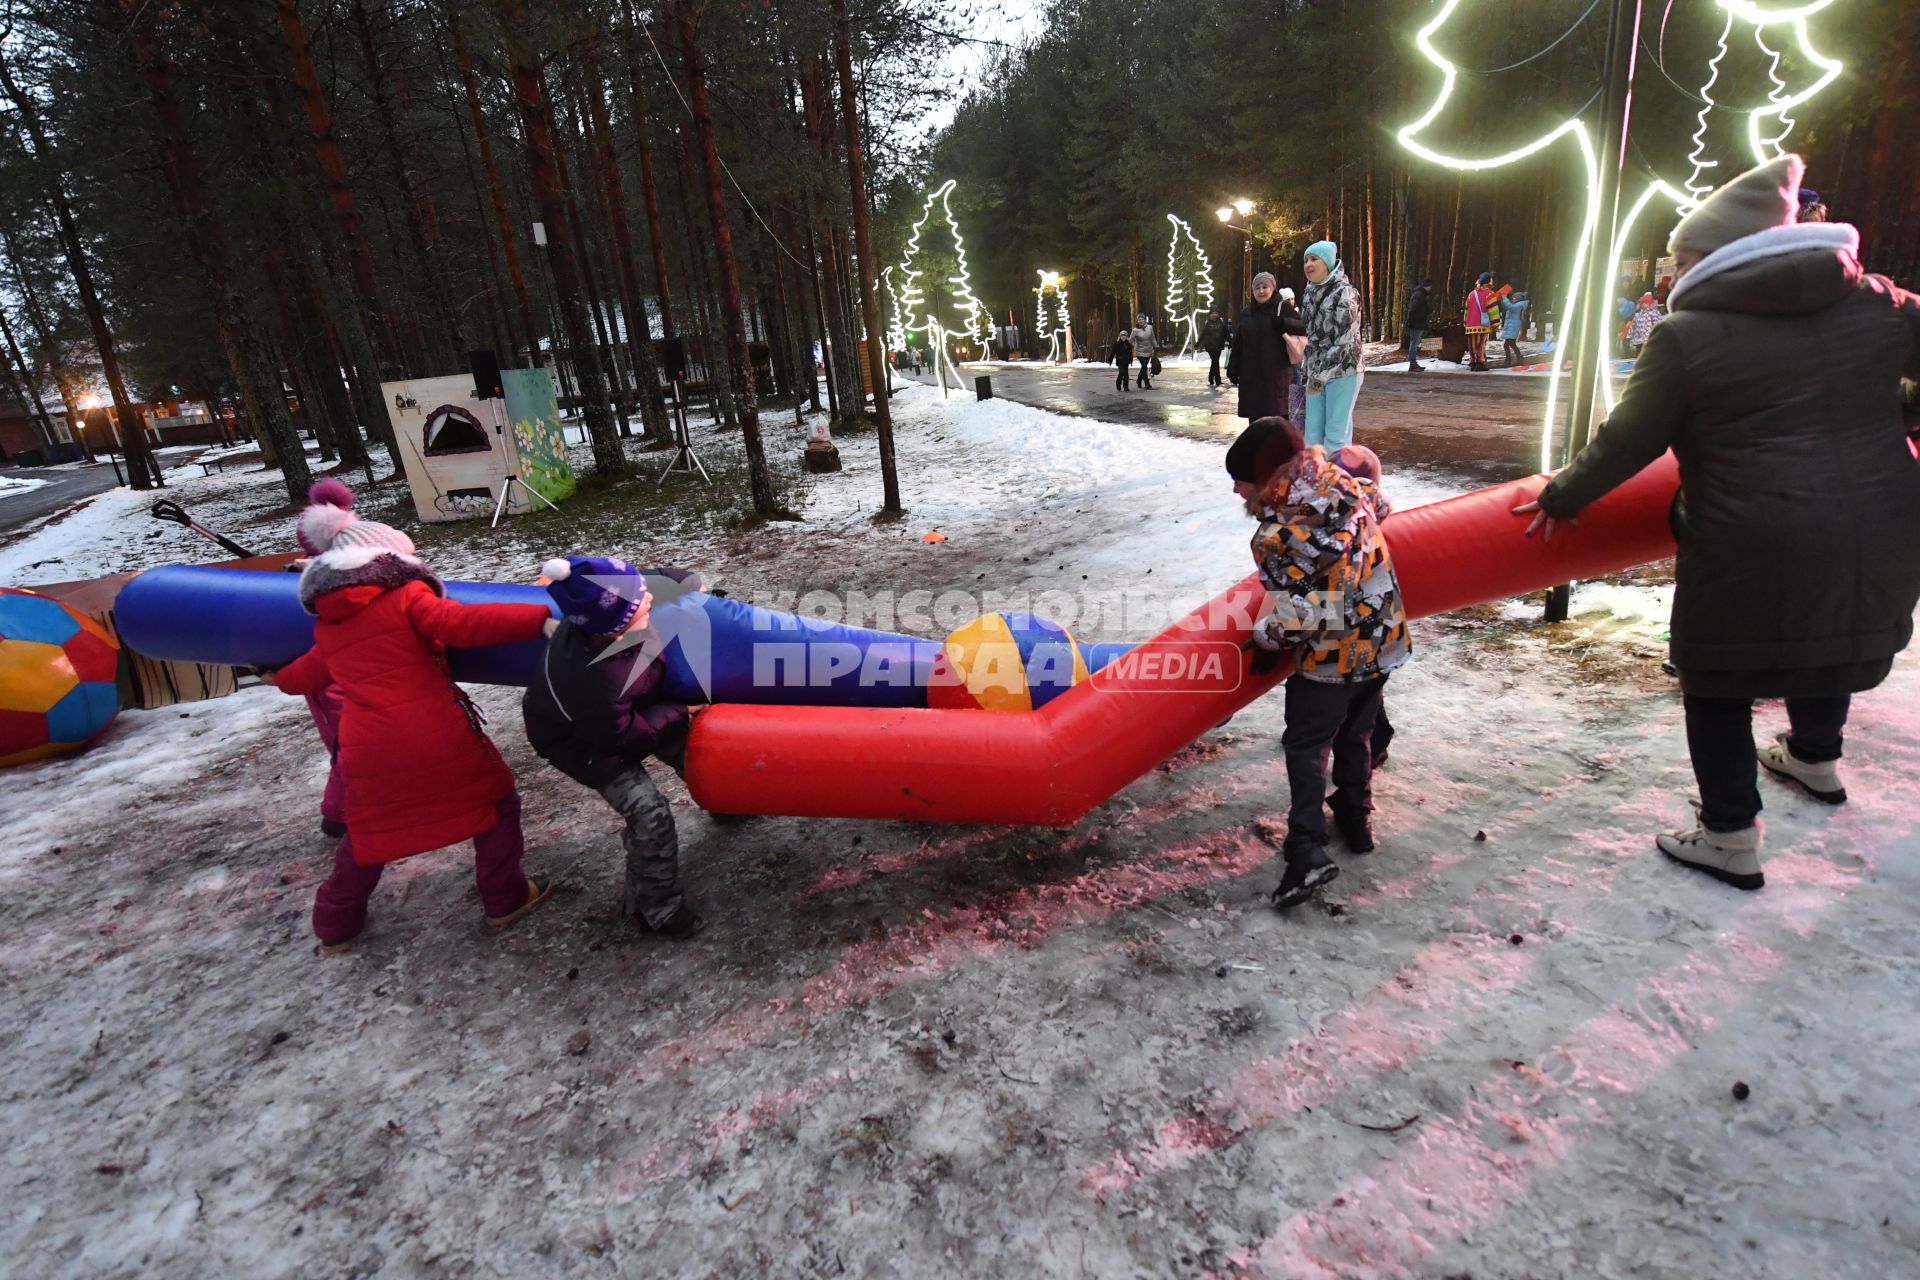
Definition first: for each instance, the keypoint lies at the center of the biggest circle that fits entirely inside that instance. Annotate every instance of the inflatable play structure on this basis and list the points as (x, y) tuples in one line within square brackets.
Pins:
[(57, 677), (819, 720)]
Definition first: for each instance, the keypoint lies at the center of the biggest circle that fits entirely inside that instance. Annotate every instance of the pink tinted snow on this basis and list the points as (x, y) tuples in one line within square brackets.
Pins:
[(1410, 1012), (1022, 920)]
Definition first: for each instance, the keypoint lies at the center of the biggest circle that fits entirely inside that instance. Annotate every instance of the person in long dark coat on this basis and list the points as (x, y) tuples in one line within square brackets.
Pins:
[(1775, 383), (1259, 364)]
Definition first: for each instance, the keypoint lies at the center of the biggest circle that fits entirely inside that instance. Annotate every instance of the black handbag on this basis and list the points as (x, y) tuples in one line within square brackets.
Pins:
[(1156, 366)]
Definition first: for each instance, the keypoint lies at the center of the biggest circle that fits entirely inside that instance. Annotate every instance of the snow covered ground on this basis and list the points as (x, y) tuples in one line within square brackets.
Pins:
[(1506, 1044), (11, 485)]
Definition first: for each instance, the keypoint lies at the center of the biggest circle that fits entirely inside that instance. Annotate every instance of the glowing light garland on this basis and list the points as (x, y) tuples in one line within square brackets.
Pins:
[(1696, 158), (976, 323), (1779, 93), (1202, 276), (896, 328), (1051, 311), (1599, 310)]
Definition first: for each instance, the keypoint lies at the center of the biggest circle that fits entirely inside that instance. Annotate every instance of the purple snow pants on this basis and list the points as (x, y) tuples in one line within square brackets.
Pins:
[(325, 709), (340, 907)]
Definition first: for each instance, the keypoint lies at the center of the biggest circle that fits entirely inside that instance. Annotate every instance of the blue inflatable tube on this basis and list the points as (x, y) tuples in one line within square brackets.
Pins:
[(253, 618)]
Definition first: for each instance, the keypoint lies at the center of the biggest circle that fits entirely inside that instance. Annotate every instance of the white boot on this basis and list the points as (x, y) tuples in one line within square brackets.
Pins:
[(1732, 856), (1821, 778)]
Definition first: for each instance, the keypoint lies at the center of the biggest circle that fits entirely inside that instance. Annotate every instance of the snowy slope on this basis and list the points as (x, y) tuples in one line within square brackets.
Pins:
[(1505, 1045)]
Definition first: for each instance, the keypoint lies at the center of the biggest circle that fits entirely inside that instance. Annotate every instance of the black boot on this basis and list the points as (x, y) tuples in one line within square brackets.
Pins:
[(1308, 870), (684, 923), (1356, 829)]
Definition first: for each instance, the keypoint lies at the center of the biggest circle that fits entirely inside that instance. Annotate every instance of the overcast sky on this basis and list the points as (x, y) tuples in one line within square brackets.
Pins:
[(987, 26)]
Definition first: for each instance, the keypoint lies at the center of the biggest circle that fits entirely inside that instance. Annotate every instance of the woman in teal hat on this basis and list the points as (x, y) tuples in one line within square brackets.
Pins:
[(1332, 364)]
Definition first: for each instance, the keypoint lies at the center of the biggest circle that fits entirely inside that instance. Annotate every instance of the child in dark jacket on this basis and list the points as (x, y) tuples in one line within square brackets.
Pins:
[(1123, 356), (596, 710)]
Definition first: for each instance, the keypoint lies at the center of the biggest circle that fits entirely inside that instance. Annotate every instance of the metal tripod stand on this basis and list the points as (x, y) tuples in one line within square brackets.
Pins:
[(684, 458)]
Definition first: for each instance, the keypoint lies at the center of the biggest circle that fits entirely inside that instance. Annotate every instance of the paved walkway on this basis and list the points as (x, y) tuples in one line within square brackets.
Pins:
[(64, 488), (1480, 426)]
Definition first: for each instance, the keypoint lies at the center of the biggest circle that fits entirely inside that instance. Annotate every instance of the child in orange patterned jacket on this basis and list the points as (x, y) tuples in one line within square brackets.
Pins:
[(1334, 605)]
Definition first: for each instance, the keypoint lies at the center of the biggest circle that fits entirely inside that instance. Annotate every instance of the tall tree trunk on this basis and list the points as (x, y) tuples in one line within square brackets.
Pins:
[(537, 123), (30, 386), (643, 135), (820, 314), (142, 470), (509, 247), (803, 330), (64, 379), (759, 480), (597, 307), (646, 369), (256, 370), (422, 219), (863, 245), (340, 198)]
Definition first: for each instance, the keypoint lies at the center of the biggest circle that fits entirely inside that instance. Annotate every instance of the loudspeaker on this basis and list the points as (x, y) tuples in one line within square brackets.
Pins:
[(486, 375), (673, 358)]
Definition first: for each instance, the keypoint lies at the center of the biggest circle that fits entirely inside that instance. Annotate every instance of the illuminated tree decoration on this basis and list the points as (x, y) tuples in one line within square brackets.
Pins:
[(1052, 311), (1189, 281), (1588, 304), (896, 312), (917, 313)]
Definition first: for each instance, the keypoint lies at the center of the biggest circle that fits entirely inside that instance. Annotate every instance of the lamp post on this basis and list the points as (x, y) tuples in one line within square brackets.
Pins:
[(1225, 213), (88, 408)]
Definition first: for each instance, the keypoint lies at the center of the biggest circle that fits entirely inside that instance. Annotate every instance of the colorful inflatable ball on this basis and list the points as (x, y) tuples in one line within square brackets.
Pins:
[(57, 670), (1005, 662)]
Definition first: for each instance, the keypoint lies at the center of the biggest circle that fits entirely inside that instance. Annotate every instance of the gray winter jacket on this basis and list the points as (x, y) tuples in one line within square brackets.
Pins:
[(1776, 383), (1142, 335), (1333, 329)]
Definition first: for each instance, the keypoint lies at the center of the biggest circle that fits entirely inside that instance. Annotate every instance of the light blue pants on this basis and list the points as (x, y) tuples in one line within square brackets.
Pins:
[(1330, 414)]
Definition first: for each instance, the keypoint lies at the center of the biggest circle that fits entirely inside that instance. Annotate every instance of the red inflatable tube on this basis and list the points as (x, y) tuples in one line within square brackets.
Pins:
[(1051, 767)]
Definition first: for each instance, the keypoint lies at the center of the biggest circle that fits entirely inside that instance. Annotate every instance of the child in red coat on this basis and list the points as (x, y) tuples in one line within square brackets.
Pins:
[(420, 773)]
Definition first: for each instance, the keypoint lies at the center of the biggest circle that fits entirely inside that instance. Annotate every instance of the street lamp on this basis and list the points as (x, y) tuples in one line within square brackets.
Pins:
[(1225, 213)]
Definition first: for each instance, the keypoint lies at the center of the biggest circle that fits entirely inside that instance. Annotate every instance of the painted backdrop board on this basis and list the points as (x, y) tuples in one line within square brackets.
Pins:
[(458, 451), (534, 411)]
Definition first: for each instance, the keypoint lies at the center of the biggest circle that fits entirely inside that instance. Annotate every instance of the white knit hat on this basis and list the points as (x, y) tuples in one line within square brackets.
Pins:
[(1757, 200), (335, 535)]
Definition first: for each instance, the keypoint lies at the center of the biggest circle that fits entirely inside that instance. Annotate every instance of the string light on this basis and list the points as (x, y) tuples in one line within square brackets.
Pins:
[(1779, 92), (1779, 103), (1697, 158), (1573, 127), (1177, 280), (1052, 311), (976, 324)]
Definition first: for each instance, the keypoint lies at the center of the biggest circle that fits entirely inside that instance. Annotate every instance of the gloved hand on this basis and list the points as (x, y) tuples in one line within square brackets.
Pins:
[(1266, 661)]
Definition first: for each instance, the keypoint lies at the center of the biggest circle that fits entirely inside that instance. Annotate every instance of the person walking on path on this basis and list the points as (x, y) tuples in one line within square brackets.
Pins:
[(1259, 365), (420, 772), (1774, 380), (1144, 348), (1213, 338), (1332, 364), (1334, 606), (1419, 315), (1482, 310), (1123, 360)]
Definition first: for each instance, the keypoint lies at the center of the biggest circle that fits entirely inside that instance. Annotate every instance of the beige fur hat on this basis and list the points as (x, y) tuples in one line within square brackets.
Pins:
[(1758, 199)]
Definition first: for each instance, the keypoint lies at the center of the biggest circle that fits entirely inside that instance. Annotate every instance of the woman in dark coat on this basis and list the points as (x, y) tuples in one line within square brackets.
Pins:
[(1259, 364), (1775, 383)]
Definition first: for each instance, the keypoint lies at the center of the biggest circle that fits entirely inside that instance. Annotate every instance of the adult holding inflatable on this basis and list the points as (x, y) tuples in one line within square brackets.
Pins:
[(1261, 366), (1775, 382), (1332, 364)]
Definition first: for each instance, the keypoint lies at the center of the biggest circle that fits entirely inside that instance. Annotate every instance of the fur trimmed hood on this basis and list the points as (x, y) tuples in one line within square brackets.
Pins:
[(346, 567)]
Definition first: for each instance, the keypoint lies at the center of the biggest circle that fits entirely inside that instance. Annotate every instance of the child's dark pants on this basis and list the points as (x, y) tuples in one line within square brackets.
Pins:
[(1323, 720)]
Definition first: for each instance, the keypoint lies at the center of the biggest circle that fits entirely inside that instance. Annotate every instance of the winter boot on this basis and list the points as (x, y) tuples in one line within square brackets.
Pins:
[(683, 924), (332, 828), (1820, 778), (1732, 856), (338, 948), (1308, 870), (539, 888), (1356, 829)]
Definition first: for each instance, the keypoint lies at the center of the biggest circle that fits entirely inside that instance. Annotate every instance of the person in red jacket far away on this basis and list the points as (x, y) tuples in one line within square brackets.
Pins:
[(420, 773)]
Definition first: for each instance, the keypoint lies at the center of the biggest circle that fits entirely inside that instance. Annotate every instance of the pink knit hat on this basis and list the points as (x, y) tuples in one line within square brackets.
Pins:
[(329, 530)]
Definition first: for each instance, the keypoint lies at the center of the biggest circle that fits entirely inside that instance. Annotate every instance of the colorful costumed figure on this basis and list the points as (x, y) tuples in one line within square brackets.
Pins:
[(1483, 313)]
